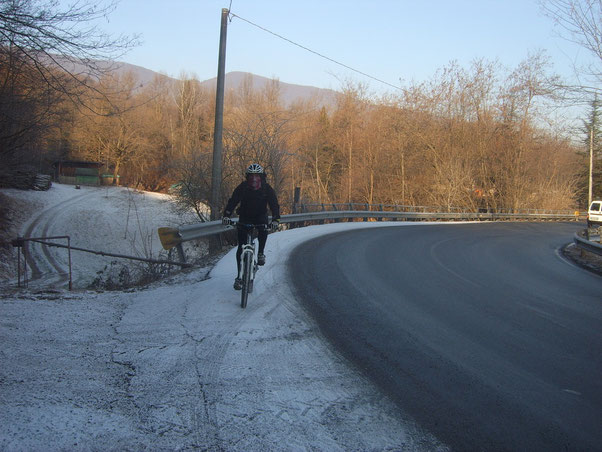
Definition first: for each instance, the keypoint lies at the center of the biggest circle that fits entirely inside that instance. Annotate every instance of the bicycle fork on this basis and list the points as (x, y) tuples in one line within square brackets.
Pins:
[(248, 252)]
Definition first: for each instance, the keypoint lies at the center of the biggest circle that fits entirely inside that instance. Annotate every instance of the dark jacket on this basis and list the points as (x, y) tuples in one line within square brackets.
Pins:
[(253, 204)]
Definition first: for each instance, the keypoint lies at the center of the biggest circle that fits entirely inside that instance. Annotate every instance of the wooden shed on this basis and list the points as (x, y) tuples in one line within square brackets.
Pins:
[(77, 172)]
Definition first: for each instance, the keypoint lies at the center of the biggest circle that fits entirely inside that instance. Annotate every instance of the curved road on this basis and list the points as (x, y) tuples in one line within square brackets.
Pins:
[(481, 332)]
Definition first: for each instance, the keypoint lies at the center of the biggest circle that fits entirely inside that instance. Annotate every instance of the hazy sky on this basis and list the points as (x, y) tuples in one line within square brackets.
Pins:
[(391, 40)]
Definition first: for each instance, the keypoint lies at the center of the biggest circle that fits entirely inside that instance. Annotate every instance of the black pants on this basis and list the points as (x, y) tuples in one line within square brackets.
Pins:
[(262, 237)]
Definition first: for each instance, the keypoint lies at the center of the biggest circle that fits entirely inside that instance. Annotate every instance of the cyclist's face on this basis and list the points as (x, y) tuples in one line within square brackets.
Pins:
[(254, 181)]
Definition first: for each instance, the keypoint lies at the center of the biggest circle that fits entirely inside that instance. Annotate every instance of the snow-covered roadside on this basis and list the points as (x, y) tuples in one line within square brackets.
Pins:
[(182, 366), (108, 219)]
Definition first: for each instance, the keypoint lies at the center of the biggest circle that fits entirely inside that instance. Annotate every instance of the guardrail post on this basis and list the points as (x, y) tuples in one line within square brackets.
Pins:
[(19, 267), (25, 278), (69, 252), (18, 243), (180, 251), (296, 198)]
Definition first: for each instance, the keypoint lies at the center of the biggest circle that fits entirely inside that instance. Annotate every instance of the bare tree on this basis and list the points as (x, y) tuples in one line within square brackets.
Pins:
[(47, 55), (257, 129), (111, 137), (348, 123), (28, 110), (581, 22), (47, 38), (317, 159), (190, 129), (193, 190)]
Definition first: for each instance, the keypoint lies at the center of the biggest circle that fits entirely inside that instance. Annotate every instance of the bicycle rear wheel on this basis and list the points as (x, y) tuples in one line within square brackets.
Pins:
[(247, 265)]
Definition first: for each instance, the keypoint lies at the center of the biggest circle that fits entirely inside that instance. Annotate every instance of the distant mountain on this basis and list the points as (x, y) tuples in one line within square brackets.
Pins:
[(289, 93), (144, 76)]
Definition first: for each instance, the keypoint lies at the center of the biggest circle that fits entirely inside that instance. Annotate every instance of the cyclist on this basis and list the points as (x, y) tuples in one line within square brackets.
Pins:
[(254, 195)]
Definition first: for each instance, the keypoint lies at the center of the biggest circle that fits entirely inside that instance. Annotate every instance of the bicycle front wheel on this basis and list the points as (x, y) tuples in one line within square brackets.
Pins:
[(247, 267)]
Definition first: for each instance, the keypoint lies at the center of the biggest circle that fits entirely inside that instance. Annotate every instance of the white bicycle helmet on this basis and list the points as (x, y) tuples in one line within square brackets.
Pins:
[(255, 168)]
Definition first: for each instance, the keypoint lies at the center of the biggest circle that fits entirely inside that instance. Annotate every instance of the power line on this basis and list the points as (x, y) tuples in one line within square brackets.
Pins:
[(314, 52)]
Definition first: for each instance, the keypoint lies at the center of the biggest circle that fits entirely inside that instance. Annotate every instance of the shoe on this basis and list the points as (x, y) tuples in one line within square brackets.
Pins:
[(261, 259), (237, 284)]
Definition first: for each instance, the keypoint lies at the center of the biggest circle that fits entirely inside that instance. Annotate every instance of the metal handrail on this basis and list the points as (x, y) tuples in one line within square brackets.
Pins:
[(19, 243), (171, 237)]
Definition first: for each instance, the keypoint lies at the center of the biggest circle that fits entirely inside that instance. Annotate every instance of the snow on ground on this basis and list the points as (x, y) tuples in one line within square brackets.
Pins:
[(179, 365), (109, 219)]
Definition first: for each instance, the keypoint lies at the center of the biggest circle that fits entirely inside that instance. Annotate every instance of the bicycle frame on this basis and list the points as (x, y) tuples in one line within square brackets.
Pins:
[(248, 261)]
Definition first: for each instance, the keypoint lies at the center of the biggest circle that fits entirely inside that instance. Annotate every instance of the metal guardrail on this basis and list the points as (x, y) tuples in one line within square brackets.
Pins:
[(581, 239), (171, 237), (322, 207)]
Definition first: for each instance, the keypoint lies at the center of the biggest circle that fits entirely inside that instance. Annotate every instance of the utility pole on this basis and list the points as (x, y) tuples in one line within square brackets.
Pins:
[(216, 174)]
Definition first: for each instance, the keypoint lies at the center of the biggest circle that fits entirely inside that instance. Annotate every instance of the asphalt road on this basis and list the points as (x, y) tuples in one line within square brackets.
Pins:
[(481, 332)]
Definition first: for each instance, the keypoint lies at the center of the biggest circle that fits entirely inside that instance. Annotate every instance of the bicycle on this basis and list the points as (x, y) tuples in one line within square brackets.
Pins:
[(248, 260)]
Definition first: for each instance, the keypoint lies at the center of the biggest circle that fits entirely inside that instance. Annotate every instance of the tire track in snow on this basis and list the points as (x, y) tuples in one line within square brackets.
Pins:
[(210, 352), (45, 267)]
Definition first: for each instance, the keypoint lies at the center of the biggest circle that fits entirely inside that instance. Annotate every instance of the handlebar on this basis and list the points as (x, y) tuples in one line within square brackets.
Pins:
[(250, 226)]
